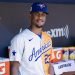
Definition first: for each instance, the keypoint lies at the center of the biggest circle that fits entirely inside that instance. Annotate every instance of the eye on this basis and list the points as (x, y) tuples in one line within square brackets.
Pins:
[(39, 14), (43, 14)]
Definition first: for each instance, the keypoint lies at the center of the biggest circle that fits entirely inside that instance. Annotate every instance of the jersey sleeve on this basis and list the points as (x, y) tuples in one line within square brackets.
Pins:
[(16, 49)]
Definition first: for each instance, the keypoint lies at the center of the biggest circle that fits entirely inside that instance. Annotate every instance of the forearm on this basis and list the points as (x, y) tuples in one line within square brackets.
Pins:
[(14, 70), (51, 70)]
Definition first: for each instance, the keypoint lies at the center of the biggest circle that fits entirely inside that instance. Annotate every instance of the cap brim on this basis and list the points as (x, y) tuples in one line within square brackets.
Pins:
[(38, 11)]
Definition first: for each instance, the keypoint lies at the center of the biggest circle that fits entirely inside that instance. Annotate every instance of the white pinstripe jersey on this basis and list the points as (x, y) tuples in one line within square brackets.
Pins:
[(32, 52)]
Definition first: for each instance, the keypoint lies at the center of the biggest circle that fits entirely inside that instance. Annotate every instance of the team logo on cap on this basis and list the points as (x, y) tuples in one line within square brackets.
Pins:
[(41, 5)]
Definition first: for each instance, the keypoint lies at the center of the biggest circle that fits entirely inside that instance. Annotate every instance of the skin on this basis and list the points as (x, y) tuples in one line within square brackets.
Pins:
[(14, 70), (38, 20)]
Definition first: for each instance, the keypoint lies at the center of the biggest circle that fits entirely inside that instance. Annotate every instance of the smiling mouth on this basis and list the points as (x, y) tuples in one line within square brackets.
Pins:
[(40, 24), (40, 20)]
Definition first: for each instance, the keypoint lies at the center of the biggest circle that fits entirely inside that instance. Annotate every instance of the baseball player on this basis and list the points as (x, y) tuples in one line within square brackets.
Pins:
[(30, 49)]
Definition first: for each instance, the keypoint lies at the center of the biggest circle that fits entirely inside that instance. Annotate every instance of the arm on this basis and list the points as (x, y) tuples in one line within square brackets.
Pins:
[(51, 70), (14, 69), (15, 54)]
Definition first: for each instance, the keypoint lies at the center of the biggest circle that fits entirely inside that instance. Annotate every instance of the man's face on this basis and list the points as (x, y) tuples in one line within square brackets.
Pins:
[(38, 19)]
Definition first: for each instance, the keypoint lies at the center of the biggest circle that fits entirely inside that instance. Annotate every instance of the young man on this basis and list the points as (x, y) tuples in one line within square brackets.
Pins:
[(30, 49)]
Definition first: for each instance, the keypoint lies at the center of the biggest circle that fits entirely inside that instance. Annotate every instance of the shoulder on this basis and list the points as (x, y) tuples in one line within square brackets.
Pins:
[(23, 36), (18, 37), (46, 34), (47, 37)]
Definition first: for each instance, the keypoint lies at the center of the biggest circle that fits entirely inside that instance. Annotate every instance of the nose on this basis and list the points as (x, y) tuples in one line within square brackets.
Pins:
[(40, 16)]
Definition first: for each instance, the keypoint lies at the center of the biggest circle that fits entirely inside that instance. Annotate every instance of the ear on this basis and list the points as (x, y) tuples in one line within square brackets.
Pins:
[(29, 15)]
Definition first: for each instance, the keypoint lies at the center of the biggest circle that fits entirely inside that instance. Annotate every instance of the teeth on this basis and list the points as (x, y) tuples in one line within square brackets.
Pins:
[(40, 22)]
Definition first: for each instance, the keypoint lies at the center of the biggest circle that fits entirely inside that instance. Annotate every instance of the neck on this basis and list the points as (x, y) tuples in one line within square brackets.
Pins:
[(36, 30)]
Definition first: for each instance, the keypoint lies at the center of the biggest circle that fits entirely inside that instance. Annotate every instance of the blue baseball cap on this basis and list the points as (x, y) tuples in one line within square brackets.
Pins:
[(39, 7)]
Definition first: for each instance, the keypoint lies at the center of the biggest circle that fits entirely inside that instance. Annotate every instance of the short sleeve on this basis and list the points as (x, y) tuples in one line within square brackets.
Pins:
[(16, 49)]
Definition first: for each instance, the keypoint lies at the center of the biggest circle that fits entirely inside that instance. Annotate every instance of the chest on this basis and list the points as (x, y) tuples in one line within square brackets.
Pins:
[(35, 48)]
